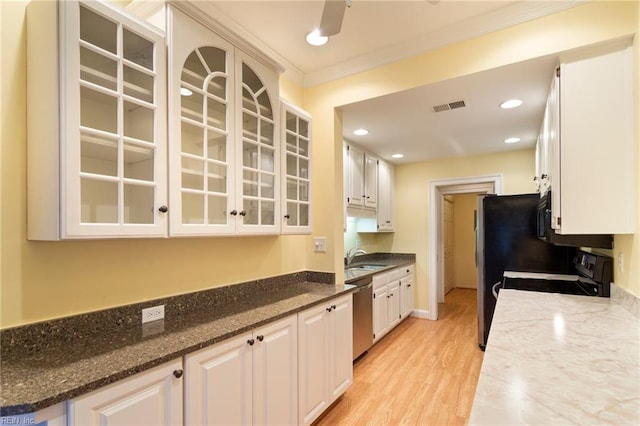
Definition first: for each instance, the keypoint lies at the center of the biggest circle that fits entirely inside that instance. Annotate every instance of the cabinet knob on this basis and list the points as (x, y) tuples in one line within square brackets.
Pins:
[(178, 373), (251, 342), (544, 176), (233, 212), (329, 309), (287, 216), (408, 285), (333, 306), (260, 338), (163, 209), (242, 213), (535, 178)]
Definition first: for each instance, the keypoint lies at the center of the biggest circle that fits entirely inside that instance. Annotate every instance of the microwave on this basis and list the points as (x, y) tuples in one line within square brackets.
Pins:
[(545, 231)]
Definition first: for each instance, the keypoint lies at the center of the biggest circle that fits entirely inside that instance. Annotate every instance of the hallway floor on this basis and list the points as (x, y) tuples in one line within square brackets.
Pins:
[(422, 373)]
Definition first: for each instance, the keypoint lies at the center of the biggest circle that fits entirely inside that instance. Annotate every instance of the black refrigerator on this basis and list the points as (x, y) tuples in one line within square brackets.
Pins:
[(506, 240)]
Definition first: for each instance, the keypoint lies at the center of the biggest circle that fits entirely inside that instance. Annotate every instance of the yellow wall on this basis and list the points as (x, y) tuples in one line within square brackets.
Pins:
[(591, 23), (42, 280), (464, 240)]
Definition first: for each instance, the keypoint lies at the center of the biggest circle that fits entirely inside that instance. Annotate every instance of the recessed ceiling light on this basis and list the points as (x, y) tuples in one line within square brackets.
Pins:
[(315, 39), (185, 92), (397, 156), (361, 132), (511, 103), (512, 140)]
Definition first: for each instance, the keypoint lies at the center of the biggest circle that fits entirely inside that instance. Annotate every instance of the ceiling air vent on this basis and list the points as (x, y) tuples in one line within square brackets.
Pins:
[(450, 105)]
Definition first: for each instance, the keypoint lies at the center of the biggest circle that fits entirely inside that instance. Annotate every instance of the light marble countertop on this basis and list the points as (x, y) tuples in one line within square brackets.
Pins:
[(556, 359)]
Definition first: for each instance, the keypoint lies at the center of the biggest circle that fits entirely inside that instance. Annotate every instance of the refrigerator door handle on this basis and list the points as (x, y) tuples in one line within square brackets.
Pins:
[(494, 289)]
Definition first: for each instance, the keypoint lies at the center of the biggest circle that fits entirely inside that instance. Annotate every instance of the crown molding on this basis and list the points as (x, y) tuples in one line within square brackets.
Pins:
[(493, 21)]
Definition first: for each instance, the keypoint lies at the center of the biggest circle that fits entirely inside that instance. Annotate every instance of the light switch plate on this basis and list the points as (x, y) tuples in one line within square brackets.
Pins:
[(320, 244)]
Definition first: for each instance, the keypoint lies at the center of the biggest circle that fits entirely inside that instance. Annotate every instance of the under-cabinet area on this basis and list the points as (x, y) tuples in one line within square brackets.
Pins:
[(176, 133)]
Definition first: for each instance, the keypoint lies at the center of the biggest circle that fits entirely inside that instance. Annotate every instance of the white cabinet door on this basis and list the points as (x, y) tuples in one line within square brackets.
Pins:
[(201, 118), (370, 181), (325, 352), (341, 346), (355, 182), (385, 196), (153, 397), (596, 144), (406, 291), (275, 373), (394, 303), (380, 311), (219, 384), (258, 148), (224, 121), (96, 106), (313, 363), (296, 170)]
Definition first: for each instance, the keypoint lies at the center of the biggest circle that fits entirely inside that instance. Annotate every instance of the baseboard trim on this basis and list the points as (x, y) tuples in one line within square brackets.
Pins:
[(421, 313)]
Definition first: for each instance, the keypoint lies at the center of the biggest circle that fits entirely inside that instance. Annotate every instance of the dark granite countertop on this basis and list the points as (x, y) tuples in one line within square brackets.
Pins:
[(43, 369), (386, 261)]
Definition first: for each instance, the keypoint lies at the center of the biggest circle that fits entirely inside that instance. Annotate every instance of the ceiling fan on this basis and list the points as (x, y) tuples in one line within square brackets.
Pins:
[(332, 16)]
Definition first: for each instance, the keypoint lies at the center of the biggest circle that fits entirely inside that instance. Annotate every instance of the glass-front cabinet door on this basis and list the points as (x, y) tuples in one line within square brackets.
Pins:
[(224, 150), (201, 115), (296, 158), (258, 172), (112, 143)]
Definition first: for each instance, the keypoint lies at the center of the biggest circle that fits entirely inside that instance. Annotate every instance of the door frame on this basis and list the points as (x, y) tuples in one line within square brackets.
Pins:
[(489, 184)]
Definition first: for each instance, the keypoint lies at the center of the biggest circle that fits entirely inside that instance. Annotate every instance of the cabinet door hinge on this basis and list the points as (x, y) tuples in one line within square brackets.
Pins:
[(348, 199), (374, 295), (558, 72), (559, 221), (377, 162)]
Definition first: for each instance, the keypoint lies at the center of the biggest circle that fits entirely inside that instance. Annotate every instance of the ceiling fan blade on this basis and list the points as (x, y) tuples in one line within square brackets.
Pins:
[(332, 15)]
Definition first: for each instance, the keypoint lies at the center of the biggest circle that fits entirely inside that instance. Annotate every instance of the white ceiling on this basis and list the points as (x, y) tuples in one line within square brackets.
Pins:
[(375, 32)]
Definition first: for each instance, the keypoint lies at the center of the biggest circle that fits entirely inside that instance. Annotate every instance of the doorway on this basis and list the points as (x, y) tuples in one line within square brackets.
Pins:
[(438, 190)]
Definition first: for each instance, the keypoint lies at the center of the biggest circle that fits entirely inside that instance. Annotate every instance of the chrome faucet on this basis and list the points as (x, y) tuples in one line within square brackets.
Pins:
[(353, 252)]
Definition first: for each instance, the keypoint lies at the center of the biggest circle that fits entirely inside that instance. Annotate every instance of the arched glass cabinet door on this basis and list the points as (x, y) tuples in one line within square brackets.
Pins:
[(260, 152), (201, 88), (204, 137)]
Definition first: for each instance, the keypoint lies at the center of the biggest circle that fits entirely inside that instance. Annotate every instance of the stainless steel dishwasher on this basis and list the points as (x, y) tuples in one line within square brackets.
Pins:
[(362, 316)]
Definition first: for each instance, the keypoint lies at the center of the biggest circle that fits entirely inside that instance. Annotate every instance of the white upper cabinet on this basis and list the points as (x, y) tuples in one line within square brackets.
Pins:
[(224, 150), (592, 172), (355, 176), (96, 123), (386, 212), (296, 168)]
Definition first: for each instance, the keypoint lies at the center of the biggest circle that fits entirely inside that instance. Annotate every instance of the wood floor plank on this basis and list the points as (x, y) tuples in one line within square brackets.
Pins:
[(422, 373)]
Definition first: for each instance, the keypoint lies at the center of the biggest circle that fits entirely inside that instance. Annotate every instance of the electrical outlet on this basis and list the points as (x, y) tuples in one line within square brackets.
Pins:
[(320, 244), (153, 314), (620, 262)]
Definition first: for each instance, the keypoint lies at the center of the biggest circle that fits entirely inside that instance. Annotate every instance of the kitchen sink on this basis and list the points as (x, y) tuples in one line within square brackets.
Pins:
[(366, 267)]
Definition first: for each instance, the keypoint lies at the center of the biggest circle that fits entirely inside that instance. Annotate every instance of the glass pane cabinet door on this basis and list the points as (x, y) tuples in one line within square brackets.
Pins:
[(114, 77), (296, 134), (259, 155), (201, 116)]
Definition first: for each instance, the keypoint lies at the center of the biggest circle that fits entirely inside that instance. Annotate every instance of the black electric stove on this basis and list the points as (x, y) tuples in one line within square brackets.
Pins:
[(594, 274)]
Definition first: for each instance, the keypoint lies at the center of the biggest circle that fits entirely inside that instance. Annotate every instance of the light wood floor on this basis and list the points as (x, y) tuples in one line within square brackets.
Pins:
[(422, 373)]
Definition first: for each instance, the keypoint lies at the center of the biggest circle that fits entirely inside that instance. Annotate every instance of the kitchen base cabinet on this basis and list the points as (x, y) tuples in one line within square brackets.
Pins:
[(249, 379), (153, 397), (325, 369), (406, 291), (392, 299), (386, 303)]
